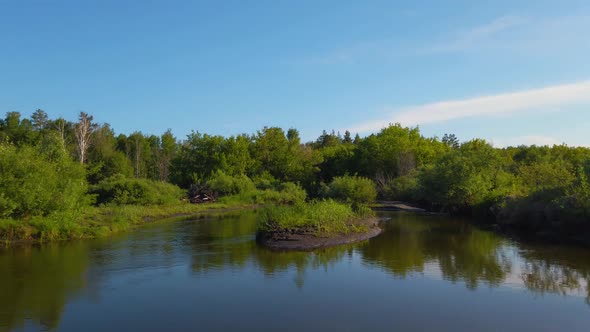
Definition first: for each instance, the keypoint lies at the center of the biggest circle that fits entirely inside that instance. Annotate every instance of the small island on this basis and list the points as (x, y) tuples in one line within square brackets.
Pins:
[(316, 224)]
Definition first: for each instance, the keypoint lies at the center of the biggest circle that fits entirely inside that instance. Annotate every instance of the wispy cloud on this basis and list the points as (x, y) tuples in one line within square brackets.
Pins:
[(468, 38), (510, 34), (499, 104), (386, 49), (353, 53)]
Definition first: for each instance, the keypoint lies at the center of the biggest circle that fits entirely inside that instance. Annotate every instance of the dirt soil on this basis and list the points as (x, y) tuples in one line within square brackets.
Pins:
[(309, 241)]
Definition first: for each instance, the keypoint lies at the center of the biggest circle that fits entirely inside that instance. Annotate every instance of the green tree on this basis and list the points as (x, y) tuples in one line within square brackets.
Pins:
[(104, 160), (470, 176), (39, 120), (237, 158), (17, 131), (39, 181), (396, 151), (451, 140), (199, 156), (352, 189)]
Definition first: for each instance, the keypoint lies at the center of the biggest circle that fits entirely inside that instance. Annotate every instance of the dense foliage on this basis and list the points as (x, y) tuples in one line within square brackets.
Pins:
[(38, 181), (317, 217), (46, 165), (120, 190), (351, 189)]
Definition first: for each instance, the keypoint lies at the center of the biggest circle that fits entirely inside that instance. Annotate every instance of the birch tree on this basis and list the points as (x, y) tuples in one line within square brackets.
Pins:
[(84, 129)]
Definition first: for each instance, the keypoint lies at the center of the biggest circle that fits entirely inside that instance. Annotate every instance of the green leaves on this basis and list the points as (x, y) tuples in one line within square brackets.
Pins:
[(352, 189), (322, 217), (120, 190), (34, 182)]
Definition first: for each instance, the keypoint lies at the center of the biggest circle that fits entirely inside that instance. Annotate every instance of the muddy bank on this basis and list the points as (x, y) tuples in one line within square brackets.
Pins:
[(305, 240), (395, 206)]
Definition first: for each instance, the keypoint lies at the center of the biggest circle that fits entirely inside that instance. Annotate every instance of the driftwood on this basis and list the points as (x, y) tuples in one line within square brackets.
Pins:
[(201, 194), (202, 198)]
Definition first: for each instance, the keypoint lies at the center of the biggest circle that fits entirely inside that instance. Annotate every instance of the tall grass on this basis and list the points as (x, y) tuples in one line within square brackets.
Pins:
[(99, 221), (120, 190), (287, 193), (318, 217)]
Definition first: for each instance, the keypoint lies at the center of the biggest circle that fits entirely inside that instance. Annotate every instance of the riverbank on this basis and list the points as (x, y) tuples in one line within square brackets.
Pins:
[(315, 224), (548, 236), (396, 206), (309, 240), (102, 221), (530, 228)]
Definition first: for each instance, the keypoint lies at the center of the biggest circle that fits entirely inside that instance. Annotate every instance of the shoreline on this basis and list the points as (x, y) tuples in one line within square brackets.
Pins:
[(304, 241), (100, 222), (543, 236)]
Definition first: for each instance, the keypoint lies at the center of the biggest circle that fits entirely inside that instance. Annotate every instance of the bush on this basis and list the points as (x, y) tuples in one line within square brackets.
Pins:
[(291, 193), (37, 183), (324, 217), (544, 210), (230, 185), (351, 189), (120, 190), (467, 180), (265, 181), (402, 188), (287, 193)]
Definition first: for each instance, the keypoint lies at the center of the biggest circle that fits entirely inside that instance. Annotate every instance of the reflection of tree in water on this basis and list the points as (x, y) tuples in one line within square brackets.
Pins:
[(472, 256), (557, 270), (465, 253), (229, 243), (37, 282), (225, 242), (272, 262), (462, 252)]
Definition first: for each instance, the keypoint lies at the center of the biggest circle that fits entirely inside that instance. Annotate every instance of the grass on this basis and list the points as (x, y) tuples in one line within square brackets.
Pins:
[(267, 196), (92, 222), (324, 217), (100, 221)]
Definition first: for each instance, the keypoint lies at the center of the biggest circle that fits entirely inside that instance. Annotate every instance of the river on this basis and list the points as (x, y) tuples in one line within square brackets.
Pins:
[(208, 274)]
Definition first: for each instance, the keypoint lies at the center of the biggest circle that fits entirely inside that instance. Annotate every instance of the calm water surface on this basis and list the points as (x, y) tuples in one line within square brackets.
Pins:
[(422, 273)]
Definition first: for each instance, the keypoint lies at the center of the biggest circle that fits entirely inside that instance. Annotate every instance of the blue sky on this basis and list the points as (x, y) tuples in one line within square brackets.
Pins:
[(508, 71)]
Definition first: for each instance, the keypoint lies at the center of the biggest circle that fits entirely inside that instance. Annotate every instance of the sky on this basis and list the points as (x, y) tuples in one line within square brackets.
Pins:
[(512, 72)]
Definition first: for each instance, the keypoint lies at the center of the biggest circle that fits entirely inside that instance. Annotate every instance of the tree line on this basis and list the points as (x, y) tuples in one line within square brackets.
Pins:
[(472, 177)]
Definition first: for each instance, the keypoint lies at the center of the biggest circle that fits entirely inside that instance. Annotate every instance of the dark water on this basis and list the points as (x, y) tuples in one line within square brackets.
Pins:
[(423, 273)]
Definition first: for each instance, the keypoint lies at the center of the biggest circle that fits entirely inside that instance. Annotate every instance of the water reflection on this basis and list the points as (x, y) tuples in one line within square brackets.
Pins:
[(459, 251), (37, 282), (227, 243), (558, 270), (272, 263)]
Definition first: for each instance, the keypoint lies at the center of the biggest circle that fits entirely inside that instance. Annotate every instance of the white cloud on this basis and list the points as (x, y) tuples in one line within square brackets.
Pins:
[(351, 54), (468, 38), (387, 49), (510, 34), (500, 104)]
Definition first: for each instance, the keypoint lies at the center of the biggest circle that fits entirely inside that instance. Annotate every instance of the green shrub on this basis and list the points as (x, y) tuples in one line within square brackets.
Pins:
[(230, 185), (287, 193), (322, 217), (120, 190), (352, 189), (467, 180), (403, 188), (291, 193), (36, 183), (265, 181)]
